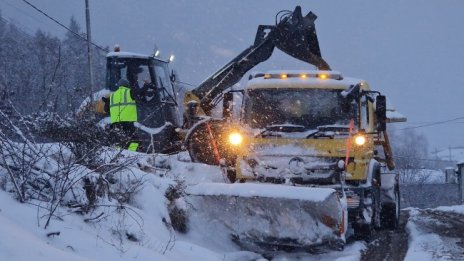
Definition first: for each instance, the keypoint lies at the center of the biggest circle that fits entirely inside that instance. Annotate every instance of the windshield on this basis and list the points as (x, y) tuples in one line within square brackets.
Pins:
[(163, 80), (306, 107), (136, 71)]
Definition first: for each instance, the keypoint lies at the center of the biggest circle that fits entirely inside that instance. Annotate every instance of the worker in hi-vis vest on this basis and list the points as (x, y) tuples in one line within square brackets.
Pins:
[(123, 114)]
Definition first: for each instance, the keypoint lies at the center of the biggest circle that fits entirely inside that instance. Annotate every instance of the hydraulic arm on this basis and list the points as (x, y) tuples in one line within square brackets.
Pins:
[(293, 34)]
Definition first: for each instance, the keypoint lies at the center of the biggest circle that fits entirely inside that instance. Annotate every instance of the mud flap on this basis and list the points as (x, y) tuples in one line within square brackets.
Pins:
[(268, 216)]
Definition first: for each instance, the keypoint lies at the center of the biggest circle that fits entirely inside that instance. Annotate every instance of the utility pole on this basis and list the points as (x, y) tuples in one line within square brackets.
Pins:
[(460, 173), (450, 158), (89, 49)]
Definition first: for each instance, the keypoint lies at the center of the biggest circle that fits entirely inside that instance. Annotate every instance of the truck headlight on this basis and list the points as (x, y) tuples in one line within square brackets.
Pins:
[(235, 138), (360, 140)]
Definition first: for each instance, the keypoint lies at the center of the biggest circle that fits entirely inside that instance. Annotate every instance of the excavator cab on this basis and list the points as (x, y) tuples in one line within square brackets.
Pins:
[(157, 105)]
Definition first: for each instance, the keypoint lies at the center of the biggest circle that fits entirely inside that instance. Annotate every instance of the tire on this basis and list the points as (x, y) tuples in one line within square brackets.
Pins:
[(365, 230), (205, 143), (199, 144), (391, 212), (377, 208)]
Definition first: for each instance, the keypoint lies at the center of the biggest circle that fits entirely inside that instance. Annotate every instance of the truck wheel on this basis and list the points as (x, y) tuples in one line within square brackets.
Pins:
[(377, 207), (391, 212), (363, 231), (370, 215)]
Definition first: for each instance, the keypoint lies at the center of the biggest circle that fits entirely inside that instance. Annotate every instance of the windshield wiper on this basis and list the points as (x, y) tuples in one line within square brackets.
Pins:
[(328, 131), (276, 130), (167, 93), (285, 128)]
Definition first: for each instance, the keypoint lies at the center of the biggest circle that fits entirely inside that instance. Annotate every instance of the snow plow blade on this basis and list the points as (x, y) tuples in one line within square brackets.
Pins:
[(268, 217)]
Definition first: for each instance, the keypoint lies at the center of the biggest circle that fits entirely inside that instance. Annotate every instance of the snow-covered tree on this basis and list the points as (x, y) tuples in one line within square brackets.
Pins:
[(43, 73), (410, 150)]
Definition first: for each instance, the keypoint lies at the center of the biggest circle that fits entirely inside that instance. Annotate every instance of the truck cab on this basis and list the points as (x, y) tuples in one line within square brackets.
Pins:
[(317, 129), (307, 127)]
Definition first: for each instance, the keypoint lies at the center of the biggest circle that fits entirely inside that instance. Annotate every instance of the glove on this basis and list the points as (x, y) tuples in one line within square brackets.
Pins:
[(106, 106)]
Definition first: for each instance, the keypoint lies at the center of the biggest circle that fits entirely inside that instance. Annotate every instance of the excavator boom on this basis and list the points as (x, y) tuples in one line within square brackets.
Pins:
[(294, 35)]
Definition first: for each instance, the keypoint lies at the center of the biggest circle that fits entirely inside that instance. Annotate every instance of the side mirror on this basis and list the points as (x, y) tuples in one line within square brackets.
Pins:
[(352, 93), (227, 105), (381, 112), (349, 95)]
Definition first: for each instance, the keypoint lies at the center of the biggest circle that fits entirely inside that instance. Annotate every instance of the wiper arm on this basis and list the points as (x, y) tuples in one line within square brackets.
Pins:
[(285, 128), (167, 93), (327, 131), (280, 130), (321, 134), (313, 134)]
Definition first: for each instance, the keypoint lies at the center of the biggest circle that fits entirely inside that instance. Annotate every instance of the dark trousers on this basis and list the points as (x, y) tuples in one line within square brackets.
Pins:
[(125, 135)]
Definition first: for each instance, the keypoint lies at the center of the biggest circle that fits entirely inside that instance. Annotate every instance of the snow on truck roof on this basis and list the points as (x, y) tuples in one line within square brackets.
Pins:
[(132, 55), (302, 79)]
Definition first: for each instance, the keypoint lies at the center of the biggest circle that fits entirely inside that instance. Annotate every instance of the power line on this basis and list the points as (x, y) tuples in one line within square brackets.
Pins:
[(415, 123), (421, 159), (30, 31), (62, 25), (433, 123)]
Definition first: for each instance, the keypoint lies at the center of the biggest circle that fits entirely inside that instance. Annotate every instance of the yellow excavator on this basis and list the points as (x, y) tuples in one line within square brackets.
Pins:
[(307, 161), (159, 112)]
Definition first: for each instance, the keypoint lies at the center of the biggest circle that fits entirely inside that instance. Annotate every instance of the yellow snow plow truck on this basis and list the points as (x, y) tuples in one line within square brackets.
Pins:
[(309, 157)]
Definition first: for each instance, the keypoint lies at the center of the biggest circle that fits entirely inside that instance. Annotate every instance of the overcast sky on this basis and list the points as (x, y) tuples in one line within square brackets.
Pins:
[(413, 51)]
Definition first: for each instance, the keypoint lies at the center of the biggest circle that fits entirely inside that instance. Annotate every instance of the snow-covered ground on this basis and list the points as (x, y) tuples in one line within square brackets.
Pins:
[(436, 234), (102, 237), (24, 238), (141, 229)]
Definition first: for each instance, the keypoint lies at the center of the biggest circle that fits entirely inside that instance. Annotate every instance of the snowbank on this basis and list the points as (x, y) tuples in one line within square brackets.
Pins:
[(21, 226), (459, 209), (421, 245), (435, 234)]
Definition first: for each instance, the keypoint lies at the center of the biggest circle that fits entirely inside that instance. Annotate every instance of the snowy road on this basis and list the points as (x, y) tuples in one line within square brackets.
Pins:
[(424, 234), (436, 234), (389, 245), (386, 246)]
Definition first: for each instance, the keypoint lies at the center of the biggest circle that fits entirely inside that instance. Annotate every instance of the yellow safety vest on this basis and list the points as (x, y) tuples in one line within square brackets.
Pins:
[(122, 106)]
